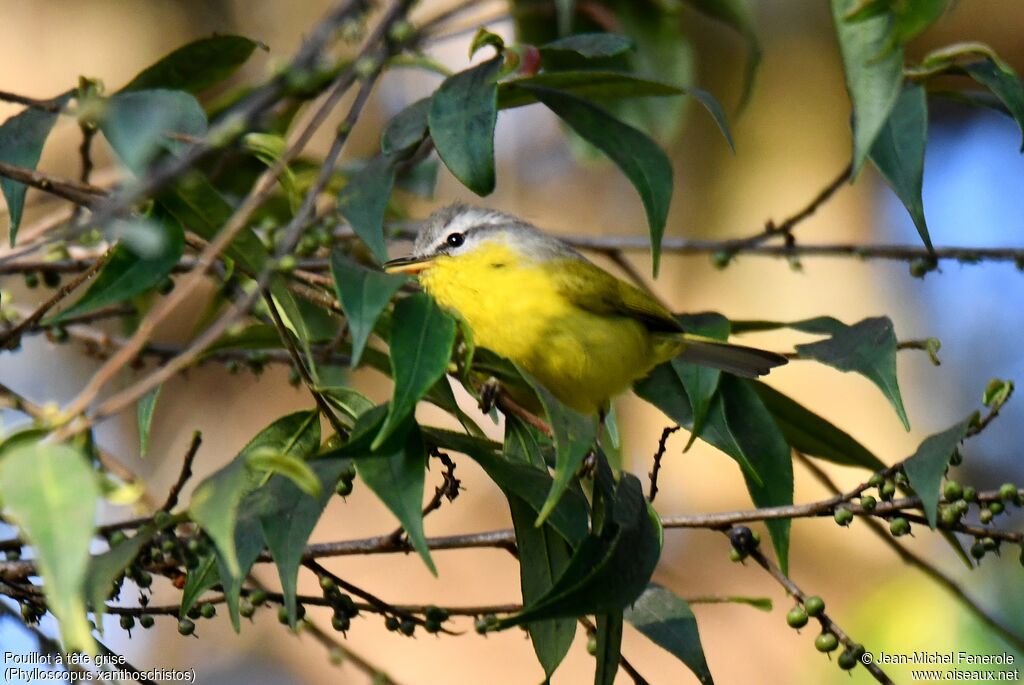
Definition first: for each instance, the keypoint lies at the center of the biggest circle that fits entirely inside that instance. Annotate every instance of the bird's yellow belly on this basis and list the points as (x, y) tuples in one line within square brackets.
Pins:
[(584, 359)]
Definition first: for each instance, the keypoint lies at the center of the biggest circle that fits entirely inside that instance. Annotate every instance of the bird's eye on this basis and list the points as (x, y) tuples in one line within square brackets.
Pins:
[(455, 239)]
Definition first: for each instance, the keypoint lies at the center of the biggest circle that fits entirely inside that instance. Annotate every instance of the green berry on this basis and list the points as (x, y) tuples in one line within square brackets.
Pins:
[(401, 31), (847, 661), (162, 519), (876, 480), (826, 642), (814, 605), (434, 613), (59, 334), (843, 516), (948, 516), (31, 280), (721, 259), (282, 615), (985, 516), (996, 507), (868, 503), (193, 612), (736, 556), (432, 626), (246, 608), (990, 544), (343, 488), (146, 621), (186, 627), (970, 494), (480, 625), (127, 622), (887, 491), (1008, 491), (340, 623), (207, 610), (327, 583), (392, 623), (166, 286), (287, 264), (407, 627), (797, 617), (592, 645), (117, 537), (257, 597), (960, 507), (899, 526), (953, 491)]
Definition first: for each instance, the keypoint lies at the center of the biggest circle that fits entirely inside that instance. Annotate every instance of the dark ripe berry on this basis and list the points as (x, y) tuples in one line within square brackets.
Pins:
[(146, 621), (348, 470), (345, 605), (970, 493), (257, 597), (432, 626), (797, 617), (868, 503), (343, 488), (166, 286), (208, 610), (826, 642), (953, 491), (340, 623), (978, 549), (127, 622), (436, 613), (193, 612), (31, 279), (480, 624), (847, 661), (408, 627), (592, 645), (186, 627), (899, 526), (985, 515), (887, 491), (742, 539), (143, 579), (721, 259), (996, 507), (843, 516), (246, 608), (327, 583), (51, 279), (1008, 491), (392, 623), (814, 605)]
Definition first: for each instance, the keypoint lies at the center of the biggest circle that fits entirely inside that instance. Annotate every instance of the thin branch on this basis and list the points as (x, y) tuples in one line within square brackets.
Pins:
[(623, 662), (53, 105), (185, 474), (74, 191), (656, 469)]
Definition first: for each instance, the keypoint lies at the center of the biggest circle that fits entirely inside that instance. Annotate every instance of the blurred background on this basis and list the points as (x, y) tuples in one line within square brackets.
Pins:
[(791, 141)]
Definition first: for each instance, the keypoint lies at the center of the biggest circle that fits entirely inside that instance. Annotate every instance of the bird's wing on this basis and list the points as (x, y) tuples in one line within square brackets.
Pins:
[(592, 288)]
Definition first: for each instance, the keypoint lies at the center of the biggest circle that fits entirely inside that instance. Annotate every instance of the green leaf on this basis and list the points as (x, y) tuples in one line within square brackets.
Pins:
[(714, 108), (248, 544), (928, 464), (137, 124), (364, 294), (607, 571), (198, 580), (483, 38), (700, 382), (867, 347), (394, 470), (349, 401), (604, 85), (269, 148), (639, 158), (50, 492), (291, 467), (463, 112), (741, 426), (421, 346), (590, 45), (1000, 78), (127, 274), (811, 434), (215, 502), (364, 199), (737, 15), (104, 568), (288, 516), (669, 623), (912, 18), (874, 73), (574, 435), (21, 143), (407, 129), (898, 153), (543, 553), (196, 66), (144, 414), (609, 647)]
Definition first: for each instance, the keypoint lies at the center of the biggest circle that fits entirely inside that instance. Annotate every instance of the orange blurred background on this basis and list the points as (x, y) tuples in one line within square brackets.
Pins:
[(791, 141)]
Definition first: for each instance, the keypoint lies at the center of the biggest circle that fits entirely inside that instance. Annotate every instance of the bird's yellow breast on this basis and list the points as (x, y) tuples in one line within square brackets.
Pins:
[(515, 309)]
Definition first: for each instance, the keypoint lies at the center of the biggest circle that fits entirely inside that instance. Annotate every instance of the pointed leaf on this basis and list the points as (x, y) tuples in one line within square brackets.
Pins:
[(104, 568), (247, 544), (138, 124), (407, 129), (928, 464), (50, 492), (609, 647), (127, 274), (701, 382), (669, 623), (639, 158), (289, 466), (598, 85), (463, 112), (198, 580), (364, 199), (898, 152), (363, 294), (737, 15), (1000, 78), (421, 345), (811, 434), (21, 143), (590, 45), (874, 73), (197, 65), (144, 413)]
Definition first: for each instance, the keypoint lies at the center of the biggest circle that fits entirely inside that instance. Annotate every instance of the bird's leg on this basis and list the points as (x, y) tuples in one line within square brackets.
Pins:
[(489, 394), (589, 463)]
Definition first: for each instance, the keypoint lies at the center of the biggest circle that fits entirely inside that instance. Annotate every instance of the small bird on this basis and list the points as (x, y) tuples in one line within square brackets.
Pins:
[(531, 298)]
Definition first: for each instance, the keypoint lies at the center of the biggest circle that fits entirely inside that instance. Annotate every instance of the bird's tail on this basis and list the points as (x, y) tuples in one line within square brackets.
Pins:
[(736, 359)]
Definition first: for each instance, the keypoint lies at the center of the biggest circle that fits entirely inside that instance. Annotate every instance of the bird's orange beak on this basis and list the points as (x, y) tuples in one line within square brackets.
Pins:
[(408, 265)]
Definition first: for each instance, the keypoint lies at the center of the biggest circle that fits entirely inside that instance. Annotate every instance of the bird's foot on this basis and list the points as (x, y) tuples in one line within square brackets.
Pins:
[(489, 394), (588, 466)]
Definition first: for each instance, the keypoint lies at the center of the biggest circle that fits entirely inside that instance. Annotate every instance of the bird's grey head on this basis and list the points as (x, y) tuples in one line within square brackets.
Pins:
[(460, 228)]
